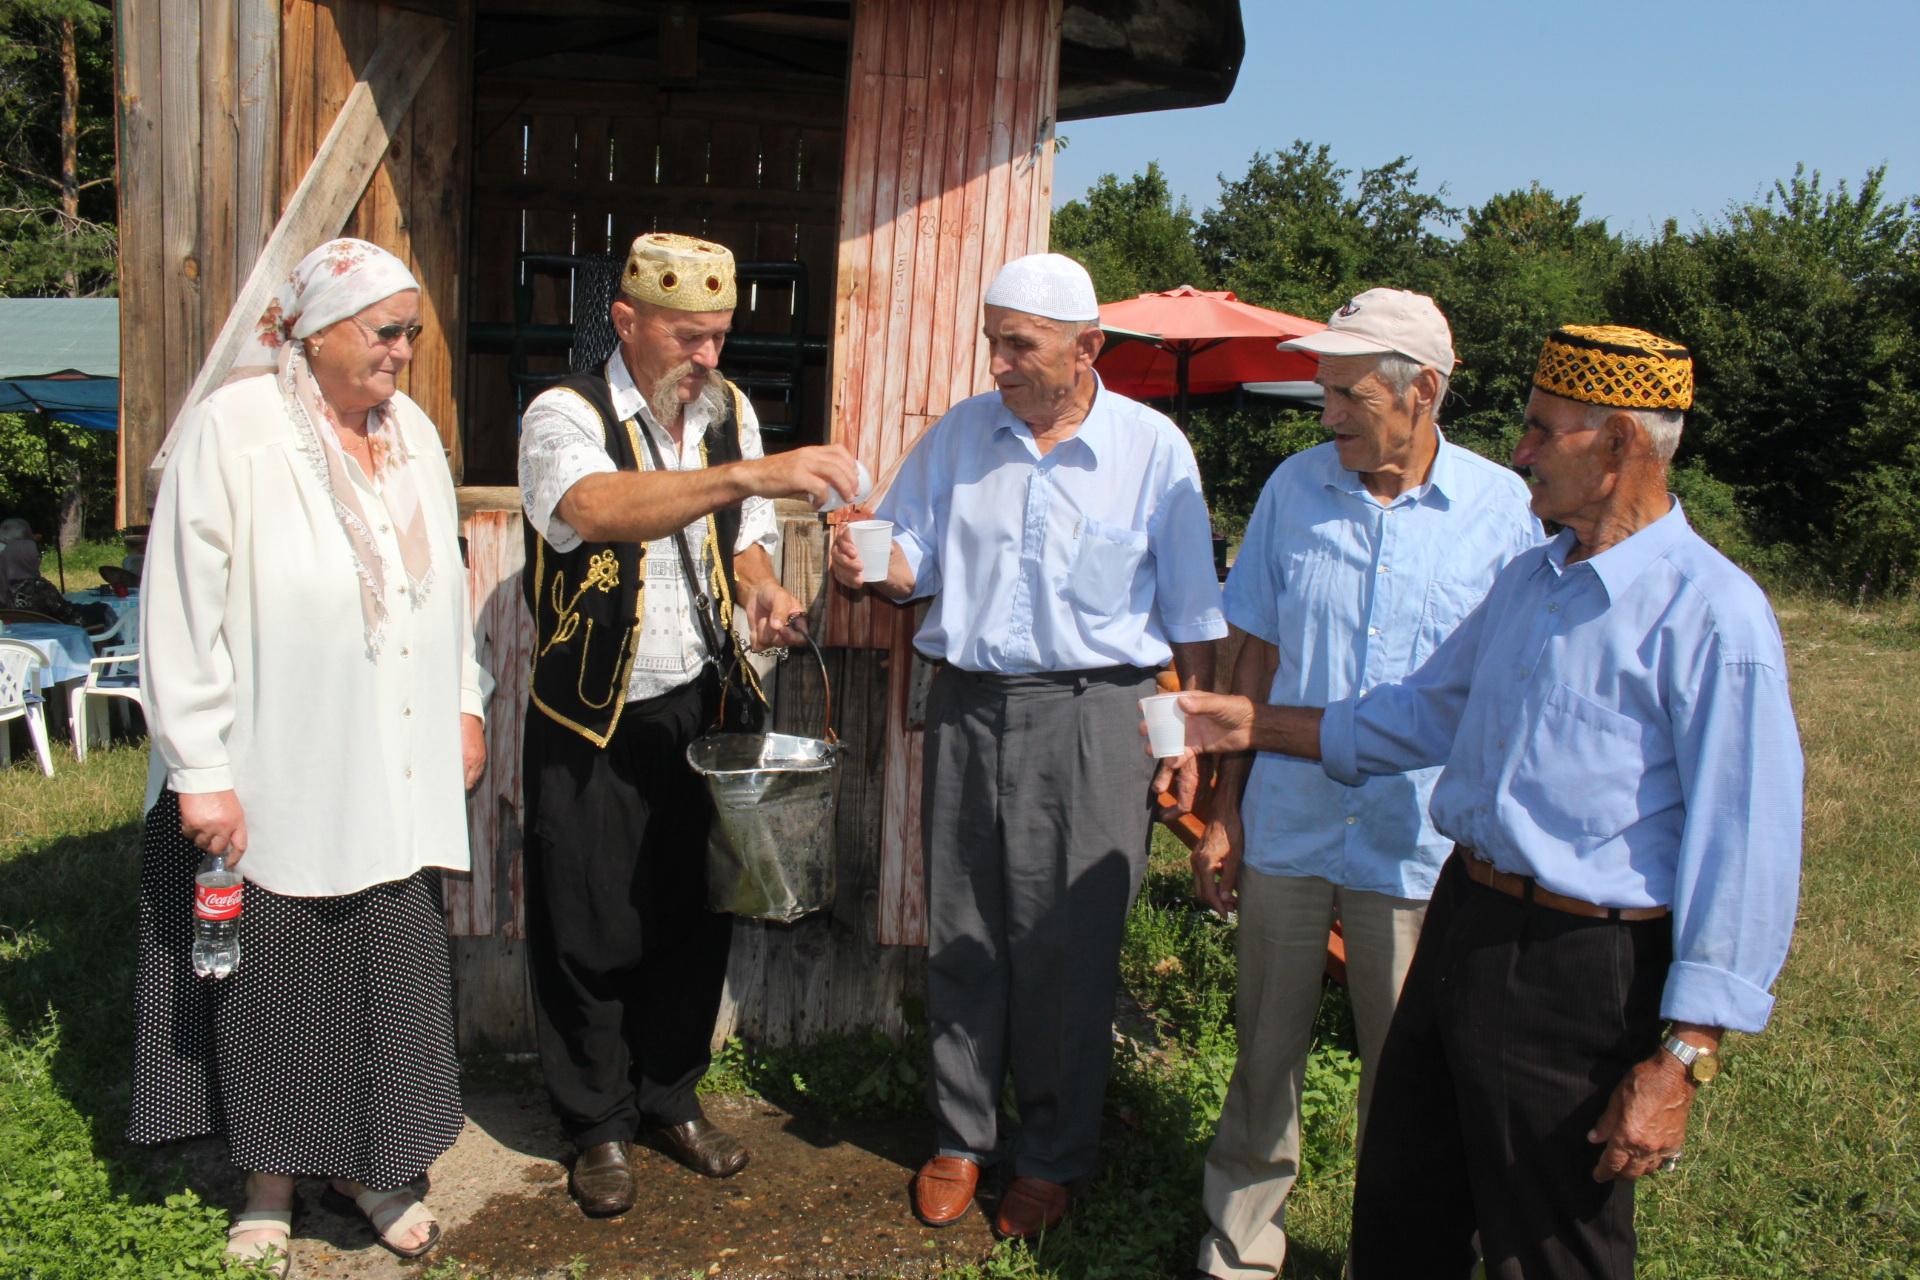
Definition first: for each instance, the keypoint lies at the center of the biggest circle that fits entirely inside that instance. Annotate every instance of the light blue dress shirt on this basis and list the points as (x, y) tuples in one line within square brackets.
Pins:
[(1353, 594), (1620, 730), (1096, 555)]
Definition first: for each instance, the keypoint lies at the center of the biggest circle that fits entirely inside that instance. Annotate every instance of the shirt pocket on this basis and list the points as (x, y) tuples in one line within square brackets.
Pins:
[(1447, 606), (1100, 579), (1581, 777)]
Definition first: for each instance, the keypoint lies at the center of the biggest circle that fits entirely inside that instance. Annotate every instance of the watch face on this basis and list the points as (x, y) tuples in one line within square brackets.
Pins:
[(1705, 1067)]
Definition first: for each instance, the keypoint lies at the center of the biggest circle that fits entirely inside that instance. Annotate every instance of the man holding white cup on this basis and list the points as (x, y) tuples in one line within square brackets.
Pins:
[(1362, 556), (1062, 536)]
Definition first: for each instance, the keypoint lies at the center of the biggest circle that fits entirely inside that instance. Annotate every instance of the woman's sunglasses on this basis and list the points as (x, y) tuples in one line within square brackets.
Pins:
[(388, 334)]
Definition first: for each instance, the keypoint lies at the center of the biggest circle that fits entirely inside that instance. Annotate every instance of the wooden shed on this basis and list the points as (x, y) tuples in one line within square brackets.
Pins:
[(872, 163)]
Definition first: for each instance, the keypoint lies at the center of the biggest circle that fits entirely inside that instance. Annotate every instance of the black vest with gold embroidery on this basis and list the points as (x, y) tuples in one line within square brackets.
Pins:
[(587, 602)]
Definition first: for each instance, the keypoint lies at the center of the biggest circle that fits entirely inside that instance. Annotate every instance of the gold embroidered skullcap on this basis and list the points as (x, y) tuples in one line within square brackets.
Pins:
[(1610, 364), (685, 273)]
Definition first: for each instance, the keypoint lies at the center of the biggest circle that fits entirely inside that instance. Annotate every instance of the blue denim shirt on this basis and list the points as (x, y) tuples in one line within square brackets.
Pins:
[(1095, 555), (1352, 594), (1619, 729)]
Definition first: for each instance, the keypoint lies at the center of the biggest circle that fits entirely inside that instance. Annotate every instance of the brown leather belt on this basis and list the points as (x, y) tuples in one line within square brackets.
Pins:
[(1527, 889)]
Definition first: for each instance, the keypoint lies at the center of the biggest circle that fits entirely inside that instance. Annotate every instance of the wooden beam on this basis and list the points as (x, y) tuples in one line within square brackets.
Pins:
[(320, 206)]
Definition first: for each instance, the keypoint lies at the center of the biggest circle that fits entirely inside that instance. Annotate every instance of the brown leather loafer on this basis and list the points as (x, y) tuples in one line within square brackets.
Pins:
[(602, 1180), (943, 1190), (705, 1148), (1030, 1206)]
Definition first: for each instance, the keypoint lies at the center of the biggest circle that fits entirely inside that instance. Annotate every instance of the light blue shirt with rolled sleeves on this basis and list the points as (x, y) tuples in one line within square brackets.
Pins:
[(1096, 555), (1620, 730), (1353, 594)]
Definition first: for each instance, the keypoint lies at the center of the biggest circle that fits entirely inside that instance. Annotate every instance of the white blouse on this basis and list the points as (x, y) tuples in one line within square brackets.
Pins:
[(254, 664)]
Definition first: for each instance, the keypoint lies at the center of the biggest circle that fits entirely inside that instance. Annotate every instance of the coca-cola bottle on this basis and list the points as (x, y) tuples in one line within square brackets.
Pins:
[(217, 895)]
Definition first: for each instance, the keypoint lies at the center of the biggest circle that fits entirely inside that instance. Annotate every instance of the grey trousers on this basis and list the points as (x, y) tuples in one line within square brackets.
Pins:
[(1035, 824)]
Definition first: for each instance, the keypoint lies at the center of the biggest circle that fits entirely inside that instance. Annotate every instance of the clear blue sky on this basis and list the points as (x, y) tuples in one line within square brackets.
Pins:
[(1648, 110)]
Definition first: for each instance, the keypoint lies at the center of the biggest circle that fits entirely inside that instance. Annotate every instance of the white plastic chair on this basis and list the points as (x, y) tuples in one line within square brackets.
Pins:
[(20, 698), (114, 674), (125, 630)]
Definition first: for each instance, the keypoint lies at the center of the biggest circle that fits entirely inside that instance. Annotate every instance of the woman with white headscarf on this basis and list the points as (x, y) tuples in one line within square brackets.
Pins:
[(310, 684)]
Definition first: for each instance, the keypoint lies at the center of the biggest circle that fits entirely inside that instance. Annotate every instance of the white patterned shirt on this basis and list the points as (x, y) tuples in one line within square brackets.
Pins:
[(562, 442)]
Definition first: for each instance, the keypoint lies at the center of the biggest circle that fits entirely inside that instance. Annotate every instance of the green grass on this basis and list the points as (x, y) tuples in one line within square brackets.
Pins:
[(1803, 1159), (83, 561)]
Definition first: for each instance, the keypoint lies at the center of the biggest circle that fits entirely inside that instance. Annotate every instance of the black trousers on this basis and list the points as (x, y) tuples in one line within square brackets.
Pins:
[(627, 961), (1516, 1023)]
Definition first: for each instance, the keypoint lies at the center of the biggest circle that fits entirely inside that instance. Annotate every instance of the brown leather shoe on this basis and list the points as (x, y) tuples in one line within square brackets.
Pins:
[(705, 1148), (1030, 1206), (602, 1180), (943, 1190)]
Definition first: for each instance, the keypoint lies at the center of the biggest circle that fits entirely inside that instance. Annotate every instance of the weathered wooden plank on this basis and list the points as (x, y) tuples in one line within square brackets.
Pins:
[(993, 226), (492, 994), (256, 130), (339, 174), (503, 635), (180, 224), (566, 194), (432, 221), (219, 147), (299, 94), (903, 894), (972, 273), (143, 334), (902, 304), (489, 446), (927, 281), (948, 327), (499, 96)]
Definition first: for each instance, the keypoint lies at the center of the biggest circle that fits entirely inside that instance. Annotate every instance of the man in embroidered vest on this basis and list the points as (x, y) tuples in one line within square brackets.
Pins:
[(1061, 532), (648, 522)]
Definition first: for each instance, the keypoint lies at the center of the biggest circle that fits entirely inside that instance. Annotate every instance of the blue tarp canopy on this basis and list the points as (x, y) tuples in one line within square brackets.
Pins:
[(61, 357)]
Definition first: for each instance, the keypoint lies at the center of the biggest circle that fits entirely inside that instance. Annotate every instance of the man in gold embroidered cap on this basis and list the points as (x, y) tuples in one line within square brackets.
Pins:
[(648, 524), (1623, 786)]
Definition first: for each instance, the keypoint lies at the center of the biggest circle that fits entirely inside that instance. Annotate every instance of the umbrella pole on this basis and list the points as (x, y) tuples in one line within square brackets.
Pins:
[(1180, 413)]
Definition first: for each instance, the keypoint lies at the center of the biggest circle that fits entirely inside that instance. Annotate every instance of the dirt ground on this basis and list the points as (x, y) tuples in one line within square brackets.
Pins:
[(816, 1202)]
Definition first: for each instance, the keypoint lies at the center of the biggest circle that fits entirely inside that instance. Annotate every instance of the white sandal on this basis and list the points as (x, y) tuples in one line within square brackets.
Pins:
[(395, 1214), (270, 1250)]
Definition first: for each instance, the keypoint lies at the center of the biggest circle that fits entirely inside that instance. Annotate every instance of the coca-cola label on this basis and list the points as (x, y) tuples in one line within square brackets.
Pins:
[(217, 902)]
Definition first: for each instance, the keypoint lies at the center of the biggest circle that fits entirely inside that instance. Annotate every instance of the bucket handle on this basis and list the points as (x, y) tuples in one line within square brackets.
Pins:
[(826, 685)]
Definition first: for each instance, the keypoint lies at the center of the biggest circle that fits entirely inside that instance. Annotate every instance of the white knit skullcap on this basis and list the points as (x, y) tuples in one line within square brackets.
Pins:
[(1045, 284)]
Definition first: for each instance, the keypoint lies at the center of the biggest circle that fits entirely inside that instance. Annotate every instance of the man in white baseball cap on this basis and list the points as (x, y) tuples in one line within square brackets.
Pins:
[(1060, 532), (1362, 556)]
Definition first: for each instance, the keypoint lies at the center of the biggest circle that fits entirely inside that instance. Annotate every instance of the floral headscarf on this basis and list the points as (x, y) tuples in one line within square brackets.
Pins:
[(342, 278)]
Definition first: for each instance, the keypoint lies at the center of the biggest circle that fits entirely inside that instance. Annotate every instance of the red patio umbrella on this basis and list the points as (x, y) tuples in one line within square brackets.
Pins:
[(1184, 341)]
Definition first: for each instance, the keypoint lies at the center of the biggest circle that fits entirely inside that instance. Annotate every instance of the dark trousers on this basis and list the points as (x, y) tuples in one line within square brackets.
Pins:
[(1035, 819), (627, 961), (1516, 1023)]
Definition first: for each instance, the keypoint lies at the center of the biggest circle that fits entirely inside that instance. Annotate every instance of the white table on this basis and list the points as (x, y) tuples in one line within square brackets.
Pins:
[(64, 649)]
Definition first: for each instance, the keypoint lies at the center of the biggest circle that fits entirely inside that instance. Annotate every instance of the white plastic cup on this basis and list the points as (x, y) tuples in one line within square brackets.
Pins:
[(836, 499), (1166, 724), (873, 539)]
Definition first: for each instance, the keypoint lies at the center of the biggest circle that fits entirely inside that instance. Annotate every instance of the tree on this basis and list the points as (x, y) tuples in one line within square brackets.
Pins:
[(1526, 263), (1800, 313), (1296, 235), (57, 199), (1131, 236)]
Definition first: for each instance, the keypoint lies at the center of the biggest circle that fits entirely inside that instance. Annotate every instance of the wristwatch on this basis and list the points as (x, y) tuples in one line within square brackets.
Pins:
[(1701, 1065)]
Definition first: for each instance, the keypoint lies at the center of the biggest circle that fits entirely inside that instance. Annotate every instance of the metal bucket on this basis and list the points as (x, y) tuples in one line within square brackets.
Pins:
[(770, 852)]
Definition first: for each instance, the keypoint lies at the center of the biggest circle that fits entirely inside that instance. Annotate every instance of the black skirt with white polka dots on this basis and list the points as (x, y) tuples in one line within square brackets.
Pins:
[(329, 1051)]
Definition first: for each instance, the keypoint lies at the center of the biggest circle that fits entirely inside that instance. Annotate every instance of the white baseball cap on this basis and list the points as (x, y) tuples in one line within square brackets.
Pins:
[(1383, 321)]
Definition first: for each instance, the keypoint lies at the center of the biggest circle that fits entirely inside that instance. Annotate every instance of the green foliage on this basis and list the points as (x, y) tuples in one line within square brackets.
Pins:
[(1526, 263), (843, 1075), (1131, 236), (47, 250), (33, 485), (1800, 314), (1298, 234)]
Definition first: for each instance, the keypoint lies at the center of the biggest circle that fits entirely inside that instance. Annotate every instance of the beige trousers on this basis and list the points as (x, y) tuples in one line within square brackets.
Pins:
[(1282, 945)]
